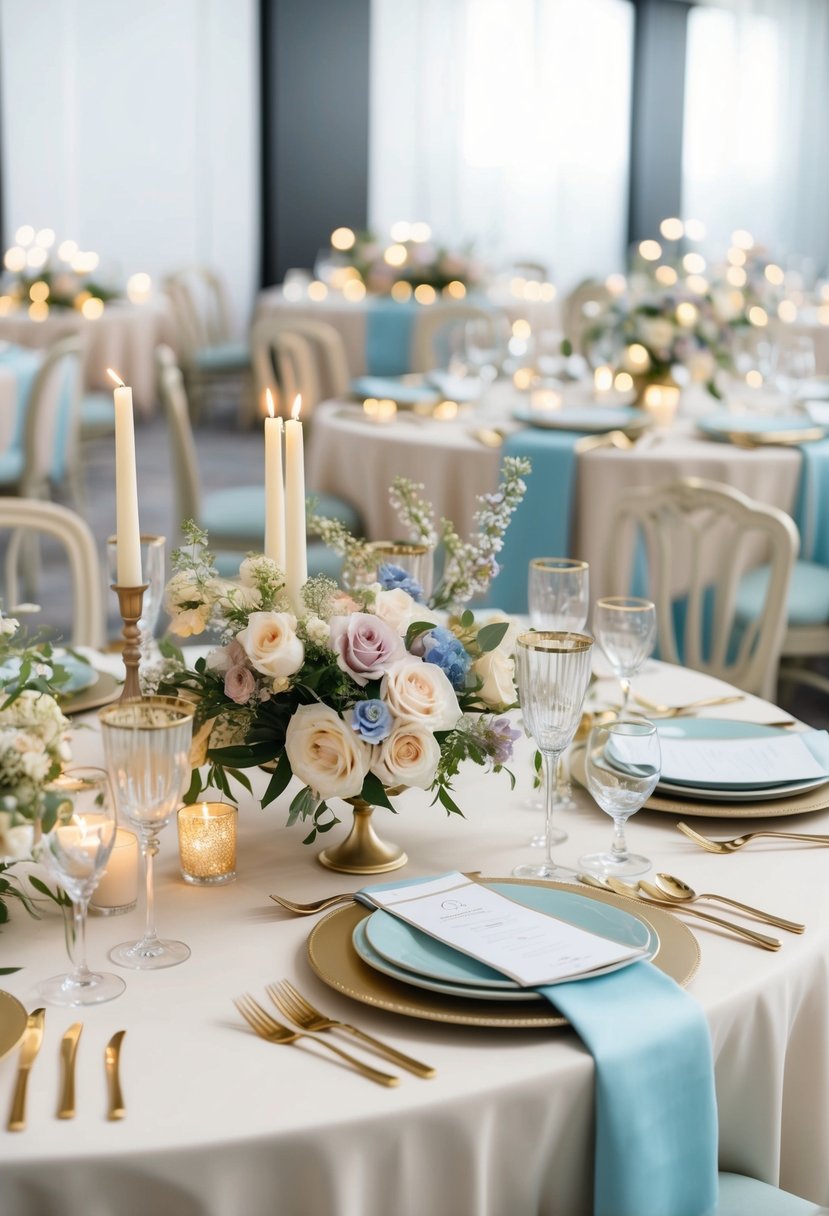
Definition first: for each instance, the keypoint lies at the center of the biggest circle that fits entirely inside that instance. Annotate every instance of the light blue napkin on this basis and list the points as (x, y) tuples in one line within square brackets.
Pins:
[(541, 525), (23, 363), (389, 326), (656, 1106)]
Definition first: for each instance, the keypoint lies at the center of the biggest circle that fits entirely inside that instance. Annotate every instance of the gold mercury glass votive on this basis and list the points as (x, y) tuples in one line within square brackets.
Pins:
[(207, 843)]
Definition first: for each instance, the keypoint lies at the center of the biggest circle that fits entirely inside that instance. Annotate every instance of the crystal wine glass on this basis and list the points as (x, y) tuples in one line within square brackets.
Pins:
[(78, 834), (552, 672), (622, 766), (558, 598), (147, 745), (625, 628)]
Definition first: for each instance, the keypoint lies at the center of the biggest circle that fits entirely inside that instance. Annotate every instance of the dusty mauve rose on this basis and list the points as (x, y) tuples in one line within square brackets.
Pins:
[(365, 646), (271, 643), (420, 692), (224, 657), (325, 753), (409, 756), (239, 684)]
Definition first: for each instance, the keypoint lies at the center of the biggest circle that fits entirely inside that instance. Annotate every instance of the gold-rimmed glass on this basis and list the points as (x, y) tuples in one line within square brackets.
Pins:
[(147, 745), (416, 561), (552, 673), (625, 628)]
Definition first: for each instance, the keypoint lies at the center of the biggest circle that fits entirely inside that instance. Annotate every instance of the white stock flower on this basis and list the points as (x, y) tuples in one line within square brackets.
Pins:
[(271, 643), (182, 588), (398, 609), (420, 692), (325, 753), (409, 756), (8, 626)]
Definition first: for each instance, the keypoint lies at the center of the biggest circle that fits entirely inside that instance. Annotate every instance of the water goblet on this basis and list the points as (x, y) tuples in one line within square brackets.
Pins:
[(78, 834), (552, 672), (622, 766), (794, 364), (152, 566), (558, 598), (147, 746), (625, 628)]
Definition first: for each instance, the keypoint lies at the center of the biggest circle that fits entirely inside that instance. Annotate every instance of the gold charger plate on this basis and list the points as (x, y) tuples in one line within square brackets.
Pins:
[(333, 958), (13, 1018), (105, 689)]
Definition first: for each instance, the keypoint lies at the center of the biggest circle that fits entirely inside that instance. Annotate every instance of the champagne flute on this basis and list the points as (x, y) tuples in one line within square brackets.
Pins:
[(558, 598), (625, 628), (622, 766), (147, 745), (78, 834), (552, 672)]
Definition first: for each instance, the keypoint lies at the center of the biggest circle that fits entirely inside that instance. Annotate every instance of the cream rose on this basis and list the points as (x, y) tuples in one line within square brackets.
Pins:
[(398, 609), (420, 692), (325, 753), (409, 756), (496, 669), (271, 643)]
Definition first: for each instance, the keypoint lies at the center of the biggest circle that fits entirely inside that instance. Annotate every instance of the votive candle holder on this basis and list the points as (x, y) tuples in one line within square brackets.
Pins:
[(207, 843), (117, 889)]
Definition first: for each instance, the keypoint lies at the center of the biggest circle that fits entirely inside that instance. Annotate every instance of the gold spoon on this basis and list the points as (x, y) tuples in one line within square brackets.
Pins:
[(675, 888), (657, 899)]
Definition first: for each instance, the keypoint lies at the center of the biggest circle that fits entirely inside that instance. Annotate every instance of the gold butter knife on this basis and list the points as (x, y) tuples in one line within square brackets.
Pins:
[(68, 1049), (112, 1056), (32, 1039)]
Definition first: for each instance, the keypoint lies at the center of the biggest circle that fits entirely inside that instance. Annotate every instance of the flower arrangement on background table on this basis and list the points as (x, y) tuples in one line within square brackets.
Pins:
[(398, 267), (366, 690)]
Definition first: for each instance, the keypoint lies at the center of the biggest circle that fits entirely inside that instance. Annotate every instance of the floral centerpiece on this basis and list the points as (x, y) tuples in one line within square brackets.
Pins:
[(364, 692), (33, 750), (39, 276), (396, 267)]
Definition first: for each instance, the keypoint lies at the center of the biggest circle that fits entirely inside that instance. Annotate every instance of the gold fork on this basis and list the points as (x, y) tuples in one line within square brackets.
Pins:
[(294, 1006), (317, 905), (274, 1032), (731, 846)]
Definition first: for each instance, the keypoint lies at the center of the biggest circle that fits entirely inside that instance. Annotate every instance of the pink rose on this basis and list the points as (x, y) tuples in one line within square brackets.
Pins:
[(221, 660), (365, 646), (239, 684)]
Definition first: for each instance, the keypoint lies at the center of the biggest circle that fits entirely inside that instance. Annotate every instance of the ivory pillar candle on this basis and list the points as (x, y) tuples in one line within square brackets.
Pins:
[(117, 889), (274, 488), (127, 528), (296, 555)]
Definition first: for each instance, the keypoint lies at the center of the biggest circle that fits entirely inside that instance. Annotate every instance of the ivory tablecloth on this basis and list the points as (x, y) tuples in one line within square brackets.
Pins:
[(221, 1124)]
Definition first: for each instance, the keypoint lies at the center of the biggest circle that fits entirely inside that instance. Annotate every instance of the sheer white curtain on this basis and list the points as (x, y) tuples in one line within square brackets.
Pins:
[(505, 123), (756, 146)]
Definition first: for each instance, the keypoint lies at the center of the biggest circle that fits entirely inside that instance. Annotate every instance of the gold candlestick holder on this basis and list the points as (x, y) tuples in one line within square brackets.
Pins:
[(130, 600)]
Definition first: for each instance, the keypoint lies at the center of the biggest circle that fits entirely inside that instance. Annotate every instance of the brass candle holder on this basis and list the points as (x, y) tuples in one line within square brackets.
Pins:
[(130, 600)]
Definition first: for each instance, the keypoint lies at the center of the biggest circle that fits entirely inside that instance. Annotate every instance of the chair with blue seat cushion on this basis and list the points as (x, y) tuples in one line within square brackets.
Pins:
[(700, 540), (741, 1196), (97, 416), (233, 517), (212, 357), (807, 618), (325, 347)]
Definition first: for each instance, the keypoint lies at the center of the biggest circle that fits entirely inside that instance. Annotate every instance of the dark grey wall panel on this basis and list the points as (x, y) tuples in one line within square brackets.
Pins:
[(315, 101)]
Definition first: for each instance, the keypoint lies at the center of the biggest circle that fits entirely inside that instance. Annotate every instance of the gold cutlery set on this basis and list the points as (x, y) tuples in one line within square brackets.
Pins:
[(310, 1023), (31, 1044)]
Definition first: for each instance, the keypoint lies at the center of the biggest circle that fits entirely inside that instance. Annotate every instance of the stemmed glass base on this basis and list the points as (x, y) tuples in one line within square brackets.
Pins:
[(90, 988), (545, 871), (609, 865), (149, 955)]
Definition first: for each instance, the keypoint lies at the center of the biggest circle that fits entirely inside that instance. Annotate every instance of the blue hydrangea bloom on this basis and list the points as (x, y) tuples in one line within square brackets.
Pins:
[(442, 647), (372, 720), (390, 577)]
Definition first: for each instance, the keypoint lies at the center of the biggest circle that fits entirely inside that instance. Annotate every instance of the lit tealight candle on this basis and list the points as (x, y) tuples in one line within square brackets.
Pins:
[(127, 528), (207, 843), (602, 381), (117, 889), (274, 488), (661, 401), (546, 400), (296, 554)]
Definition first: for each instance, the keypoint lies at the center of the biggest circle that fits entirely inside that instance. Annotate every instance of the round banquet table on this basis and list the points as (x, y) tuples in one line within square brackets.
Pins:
[(350, 455), (124, 337), (220, 1123)]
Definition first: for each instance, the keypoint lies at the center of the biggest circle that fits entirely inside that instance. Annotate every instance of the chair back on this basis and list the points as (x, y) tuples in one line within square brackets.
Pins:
[(201, 310), (185, 469), (700, 538), (51, 432), (436, 327), (285, 362), (327, 346), (25, 515), (581, 309)]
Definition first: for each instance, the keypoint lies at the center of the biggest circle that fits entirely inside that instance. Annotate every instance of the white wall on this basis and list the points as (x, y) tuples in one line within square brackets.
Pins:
[(131, 127)]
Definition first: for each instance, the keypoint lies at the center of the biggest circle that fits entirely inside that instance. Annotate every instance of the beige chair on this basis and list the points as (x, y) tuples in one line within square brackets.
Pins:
[(25, 516), (211, 355), (285, 363), (234, 517), (700, 540), (326, 344), (581, 309), (49, 455), (439, 324)]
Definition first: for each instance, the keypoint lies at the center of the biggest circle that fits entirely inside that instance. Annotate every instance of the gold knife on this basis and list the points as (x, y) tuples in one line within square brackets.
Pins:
[(112, 1055), (32, 1039), (68, 1048)]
